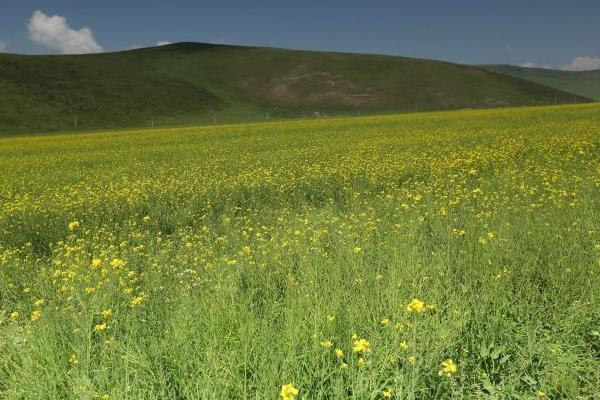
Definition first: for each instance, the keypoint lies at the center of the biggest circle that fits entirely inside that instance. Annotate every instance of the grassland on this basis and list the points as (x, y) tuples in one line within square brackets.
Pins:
[(582, 83), (195, 83), (351, 258)]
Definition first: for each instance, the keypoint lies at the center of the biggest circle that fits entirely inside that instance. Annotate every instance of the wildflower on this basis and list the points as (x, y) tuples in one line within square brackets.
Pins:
[(288, 392), (411, 360), (14, 315), (339, 353), (117, 263), (361, 346), (399, 326), (327, 344), (146, 218), (449, 368), (385, 322), (415, 305), (403, 345), (96, 263), (387, 393), (36, 315), (73, 359), (357, 250), (73, 225), (540, 394), (100, 327), (331, 318), (361, 361), (39, 302), (106, 313), (136, 301), (344, 365)]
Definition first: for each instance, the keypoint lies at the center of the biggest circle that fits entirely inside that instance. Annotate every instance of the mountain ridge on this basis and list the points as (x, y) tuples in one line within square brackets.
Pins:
[(198, 83)]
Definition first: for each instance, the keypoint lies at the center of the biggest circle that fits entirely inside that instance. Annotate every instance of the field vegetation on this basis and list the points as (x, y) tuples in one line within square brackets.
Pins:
[(453, 255)]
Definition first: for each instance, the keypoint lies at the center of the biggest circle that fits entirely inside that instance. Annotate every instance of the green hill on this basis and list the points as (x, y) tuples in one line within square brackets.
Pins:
[(582, 83), (198, 83)]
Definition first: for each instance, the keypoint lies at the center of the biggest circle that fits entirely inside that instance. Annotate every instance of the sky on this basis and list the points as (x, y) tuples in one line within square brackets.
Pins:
[(544, 33)]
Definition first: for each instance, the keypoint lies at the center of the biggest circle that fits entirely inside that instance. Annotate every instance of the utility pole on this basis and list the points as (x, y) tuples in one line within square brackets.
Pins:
[(152, 122), (75, 121), (214, 117)]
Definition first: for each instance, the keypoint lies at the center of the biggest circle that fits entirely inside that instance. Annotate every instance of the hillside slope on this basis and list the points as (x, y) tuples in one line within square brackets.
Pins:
[(199, 83), (582, 83)]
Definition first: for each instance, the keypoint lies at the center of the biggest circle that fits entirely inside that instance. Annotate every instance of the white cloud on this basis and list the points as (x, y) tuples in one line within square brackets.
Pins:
[(163, 43), (54, 33), (584, 63), (532, 65), (3, 46)]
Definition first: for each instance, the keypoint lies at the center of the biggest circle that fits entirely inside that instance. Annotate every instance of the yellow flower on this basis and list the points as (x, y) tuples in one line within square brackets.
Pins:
[(146, 218), (361, 361), (449, 368), (100, 327), (400, 327), (357, 250), (403, 345), (361, 346), (412, 360), (540, 394), (385, 322), (36, 315), (327, 344), (96, 263), (73, 225), (415, 305), (39, 302), (331, 318), (106, 313), (387, 393), (117, 263), (344, 365), (339, 353), (136, 301), (14, 315), (288, 392), (73, 359)]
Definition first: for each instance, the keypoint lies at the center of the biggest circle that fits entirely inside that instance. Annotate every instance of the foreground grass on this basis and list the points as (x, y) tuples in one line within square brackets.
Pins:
[(223, 263)]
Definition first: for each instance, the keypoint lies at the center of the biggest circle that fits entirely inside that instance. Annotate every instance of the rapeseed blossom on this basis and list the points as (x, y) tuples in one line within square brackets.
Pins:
[(288, 392), (449, 368), (416, 306), (361, 346)]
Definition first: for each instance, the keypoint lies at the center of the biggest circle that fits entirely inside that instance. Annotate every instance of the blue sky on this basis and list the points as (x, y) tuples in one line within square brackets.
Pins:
[(544, 33)]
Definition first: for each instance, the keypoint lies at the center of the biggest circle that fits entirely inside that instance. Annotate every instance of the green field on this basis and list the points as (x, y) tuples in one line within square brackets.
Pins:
[(196, 83), (449, 255)]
